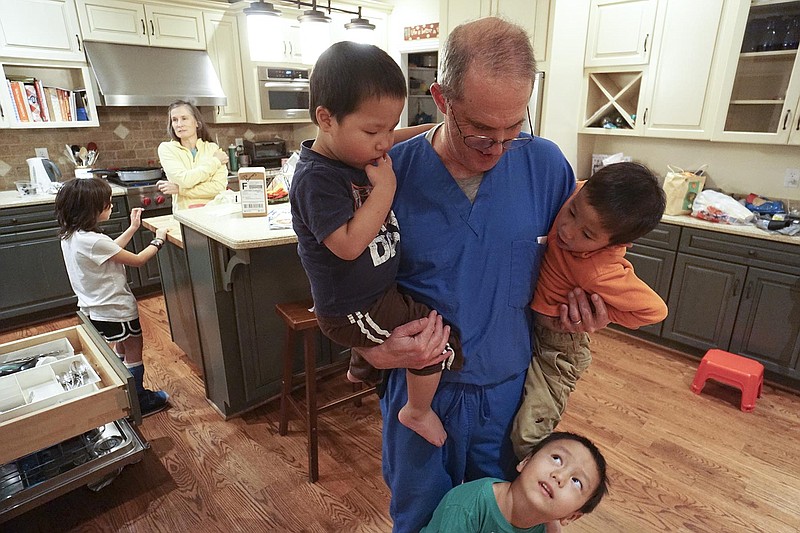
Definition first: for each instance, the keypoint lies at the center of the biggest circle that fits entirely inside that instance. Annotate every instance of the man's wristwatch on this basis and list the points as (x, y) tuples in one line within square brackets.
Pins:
[(158, 243)]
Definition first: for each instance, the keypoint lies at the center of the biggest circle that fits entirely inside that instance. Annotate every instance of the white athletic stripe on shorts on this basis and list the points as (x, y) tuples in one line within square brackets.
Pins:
[(369, 328)]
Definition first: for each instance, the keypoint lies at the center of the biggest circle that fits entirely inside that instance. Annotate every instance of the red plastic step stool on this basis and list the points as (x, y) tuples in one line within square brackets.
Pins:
[(731, 369)]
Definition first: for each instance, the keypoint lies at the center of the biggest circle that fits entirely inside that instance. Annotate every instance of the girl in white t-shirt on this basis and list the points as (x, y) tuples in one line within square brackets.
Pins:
[(96, 268)]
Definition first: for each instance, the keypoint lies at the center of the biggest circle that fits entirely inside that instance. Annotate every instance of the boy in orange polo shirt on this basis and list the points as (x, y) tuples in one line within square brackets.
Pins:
[(586, 248)]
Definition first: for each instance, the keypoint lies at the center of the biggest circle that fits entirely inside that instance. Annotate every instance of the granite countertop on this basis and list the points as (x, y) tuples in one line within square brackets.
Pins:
[(13, 199), (224, 223), (746, 231), (169, 223)]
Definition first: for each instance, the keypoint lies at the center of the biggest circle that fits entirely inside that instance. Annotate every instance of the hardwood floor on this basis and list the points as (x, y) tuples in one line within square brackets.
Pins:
[(677, 461)]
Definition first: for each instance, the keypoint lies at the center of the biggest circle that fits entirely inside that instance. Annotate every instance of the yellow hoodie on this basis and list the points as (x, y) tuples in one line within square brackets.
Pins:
[(199, 178)]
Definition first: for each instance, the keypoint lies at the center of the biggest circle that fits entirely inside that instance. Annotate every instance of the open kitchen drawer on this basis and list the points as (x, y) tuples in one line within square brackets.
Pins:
[(110, 398)]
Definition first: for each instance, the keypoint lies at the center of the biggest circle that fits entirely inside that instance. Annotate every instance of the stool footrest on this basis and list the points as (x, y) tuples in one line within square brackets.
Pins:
[(350, 397)]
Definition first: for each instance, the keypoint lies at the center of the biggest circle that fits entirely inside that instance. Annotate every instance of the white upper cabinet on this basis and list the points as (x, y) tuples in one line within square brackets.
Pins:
[(120, 21), (761, 92), (674, 92), (678, 101), (40, 29), (222, 36), (533, 15), (620, 32)]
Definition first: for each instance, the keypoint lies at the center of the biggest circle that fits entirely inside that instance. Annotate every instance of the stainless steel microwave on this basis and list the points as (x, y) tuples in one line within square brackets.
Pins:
[(283, 93)]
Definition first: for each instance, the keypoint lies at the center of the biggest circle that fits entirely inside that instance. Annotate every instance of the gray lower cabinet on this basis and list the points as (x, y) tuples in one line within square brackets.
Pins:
[(653, 260), (177, 288), (739, 294), (768, 323), (704, 301), (34, 284), (241, 336)]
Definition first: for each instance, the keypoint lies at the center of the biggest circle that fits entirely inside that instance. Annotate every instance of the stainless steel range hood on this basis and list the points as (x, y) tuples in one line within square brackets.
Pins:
[(131, 75)]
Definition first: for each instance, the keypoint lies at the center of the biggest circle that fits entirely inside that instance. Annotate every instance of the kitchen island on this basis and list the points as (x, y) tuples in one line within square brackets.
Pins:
[(238, 268)]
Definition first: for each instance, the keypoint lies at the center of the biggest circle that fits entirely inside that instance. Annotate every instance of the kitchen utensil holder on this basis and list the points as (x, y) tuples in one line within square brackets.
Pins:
[(300, 319)]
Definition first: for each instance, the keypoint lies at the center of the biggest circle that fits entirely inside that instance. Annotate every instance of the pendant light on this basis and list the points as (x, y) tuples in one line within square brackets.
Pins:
[(359, 23), (261, 8), (311, 16)]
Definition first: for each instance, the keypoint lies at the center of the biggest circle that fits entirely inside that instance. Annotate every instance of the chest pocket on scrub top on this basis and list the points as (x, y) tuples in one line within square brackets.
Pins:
[(526, 257)]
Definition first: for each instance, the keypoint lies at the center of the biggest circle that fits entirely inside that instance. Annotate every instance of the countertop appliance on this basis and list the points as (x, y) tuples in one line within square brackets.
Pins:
[(43, 172), (267, 154), (283, 93)]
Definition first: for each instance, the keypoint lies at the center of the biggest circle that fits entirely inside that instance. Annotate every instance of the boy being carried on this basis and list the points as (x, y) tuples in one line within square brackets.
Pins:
[(586, 248), (348, 237)]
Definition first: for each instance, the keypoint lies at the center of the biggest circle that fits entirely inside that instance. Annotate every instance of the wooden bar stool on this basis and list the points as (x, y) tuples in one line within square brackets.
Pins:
[(298, 318)]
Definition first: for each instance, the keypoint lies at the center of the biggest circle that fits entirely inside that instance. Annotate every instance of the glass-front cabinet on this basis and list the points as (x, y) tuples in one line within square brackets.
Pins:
[(765, 87)]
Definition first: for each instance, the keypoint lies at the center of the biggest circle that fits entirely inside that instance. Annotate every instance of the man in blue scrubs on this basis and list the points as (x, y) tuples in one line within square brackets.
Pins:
[(473, 195)]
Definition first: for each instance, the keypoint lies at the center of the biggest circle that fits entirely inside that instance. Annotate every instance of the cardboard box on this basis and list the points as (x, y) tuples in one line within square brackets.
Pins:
[(253, 191)]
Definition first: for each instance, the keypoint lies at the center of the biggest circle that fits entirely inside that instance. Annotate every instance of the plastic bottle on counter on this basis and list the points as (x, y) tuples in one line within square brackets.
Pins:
[(233, 160)]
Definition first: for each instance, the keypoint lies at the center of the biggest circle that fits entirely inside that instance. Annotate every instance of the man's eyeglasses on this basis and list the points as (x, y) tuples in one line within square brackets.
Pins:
[(484, 143)]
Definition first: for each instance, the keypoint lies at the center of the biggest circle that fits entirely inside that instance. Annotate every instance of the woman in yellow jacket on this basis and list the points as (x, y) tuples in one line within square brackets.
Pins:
[(195, 167)]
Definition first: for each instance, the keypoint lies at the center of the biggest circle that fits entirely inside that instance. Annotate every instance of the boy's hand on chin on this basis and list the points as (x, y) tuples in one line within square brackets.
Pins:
[(380, 172)]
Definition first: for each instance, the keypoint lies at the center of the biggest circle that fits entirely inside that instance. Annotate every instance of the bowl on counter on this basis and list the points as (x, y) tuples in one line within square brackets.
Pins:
[(26, 188)]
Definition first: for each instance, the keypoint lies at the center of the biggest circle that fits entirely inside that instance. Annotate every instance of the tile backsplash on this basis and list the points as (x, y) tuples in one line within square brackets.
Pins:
[(126, 137)]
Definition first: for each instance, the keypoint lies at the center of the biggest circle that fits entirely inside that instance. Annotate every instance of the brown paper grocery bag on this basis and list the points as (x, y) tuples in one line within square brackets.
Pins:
[(681, 188)]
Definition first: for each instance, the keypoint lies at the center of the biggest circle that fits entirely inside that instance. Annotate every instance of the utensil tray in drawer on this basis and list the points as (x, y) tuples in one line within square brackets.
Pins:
[(111, 397)]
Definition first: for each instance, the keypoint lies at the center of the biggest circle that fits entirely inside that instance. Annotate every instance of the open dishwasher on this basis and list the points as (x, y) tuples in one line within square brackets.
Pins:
[(67, 405)]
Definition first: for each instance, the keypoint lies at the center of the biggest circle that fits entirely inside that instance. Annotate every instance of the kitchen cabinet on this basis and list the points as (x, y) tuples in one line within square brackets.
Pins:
[(422, 73), (761, 90), (40, 29), (273, 40), (672, 94), (31, 249), (737, 294), (71, 77), (620, 32), (222, 37), (151, 23), (653, 260), (533, 15), (74, 438)]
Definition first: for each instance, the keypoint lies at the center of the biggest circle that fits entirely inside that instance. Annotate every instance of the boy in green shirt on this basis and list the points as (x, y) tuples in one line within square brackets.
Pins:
[(562, 478)]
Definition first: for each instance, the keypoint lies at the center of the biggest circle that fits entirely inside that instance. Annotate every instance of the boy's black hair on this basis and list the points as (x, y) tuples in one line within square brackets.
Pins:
[(602, 487), (628, 199), (79, 203), (348, 73)]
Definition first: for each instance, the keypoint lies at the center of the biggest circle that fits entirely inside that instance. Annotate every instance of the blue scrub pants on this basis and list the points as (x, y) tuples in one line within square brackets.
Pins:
[(478, 424)]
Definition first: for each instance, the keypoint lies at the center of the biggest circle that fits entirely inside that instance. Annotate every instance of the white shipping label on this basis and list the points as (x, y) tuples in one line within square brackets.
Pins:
[(253, 197)]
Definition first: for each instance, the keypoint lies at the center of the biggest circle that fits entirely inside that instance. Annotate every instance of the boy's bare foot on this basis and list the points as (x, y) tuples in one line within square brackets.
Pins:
[(352, 379), (424, 423)]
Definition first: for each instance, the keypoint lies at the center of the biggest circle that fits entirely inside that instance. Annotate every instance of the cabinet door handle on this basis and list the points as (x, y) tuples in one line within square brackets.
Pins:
[(645, 42), (644, 118), (786, 118), (736, 287), (291, 49), (798, 123), (748, 290), (284, 47), (152, 28), (144, 28), (78, 39)]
